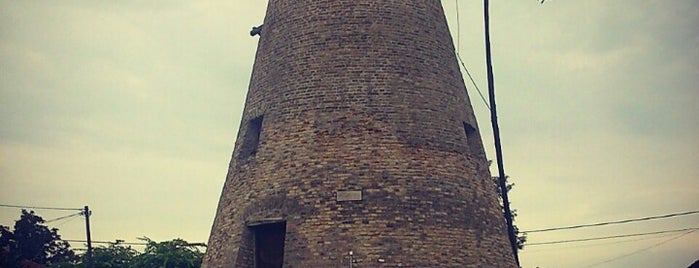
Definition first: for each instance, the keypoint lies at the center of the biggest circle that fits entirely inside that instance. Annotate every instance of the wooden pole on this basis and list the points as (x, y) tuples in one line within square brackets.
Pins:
[(88, 254), (496, 133)]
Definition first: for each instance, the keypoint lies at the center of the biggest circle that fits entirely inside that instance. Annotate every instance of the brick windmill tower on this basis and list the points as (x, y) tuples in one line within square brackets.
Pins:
[(358, 146)]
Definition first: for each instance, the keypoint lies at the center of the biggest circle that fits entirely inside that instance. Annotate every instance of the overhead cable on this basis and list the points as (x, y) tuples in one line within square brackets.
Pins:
[(121, 242), (604, 243), (458, 48), (472, 81), (458, 28), (643, 249), (64, 217), (612, 222), (610, 237), (109, 242), (46, 208)]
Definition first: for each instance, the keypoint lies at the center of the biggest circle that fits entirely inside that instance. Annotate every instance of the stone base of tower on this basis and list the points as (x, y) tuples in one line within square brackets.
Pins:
[(387, 250), (409, 213)]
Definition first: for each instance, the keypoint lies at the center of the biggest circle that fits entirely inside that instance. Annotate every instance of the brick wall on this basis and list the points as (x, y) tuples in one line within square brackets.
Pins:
[(360, 95)]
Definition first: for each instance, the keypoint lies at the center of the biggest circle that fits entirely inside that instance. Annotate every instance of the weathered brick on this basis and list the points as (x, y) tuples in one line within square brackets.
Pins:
[(360, 95)]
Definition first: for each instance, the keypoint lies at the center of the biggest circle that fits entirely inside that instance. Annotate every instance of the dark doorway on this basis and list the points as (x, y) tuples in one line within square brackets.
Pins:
[(269, 244)]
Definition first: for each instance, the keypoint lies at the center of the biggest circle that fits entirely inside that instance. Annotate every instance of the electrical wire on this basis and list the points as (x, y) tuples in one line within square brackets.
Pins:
[(458, 48), (32, 207), (64, 217), (608, 237), (472, 81), (643, 249), (199, 244), (606, 243), (108, 242), (65, 222), (458, 29), (612, 222)]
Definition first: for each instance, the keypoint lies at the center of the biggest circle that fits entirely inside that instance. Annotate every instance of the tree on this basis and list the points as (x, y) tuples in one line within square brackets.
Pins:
[(176, 253), (116, 255), (32, 241), (521, 237), (33, 244)]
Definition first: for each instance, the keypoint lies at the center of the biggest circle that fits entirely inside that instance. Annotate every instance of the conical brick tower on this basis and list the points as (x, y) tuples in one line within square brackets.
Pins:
[(358, 136)]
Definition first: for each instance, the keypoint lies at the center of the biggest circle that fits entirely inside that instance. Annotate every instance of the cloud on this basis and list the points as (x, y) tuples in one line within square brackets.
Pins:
[(124, 107)]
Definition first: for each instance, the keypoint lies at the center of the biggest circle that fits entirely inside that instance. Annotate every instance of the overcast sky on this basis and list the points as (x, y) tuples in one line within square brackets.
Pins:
[(132, 108)]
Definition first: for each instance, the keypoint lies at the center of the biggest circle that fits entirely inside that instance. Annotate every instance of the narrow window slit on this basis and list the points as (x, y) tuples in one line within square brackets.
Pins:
[(251, 139), (473, 140)]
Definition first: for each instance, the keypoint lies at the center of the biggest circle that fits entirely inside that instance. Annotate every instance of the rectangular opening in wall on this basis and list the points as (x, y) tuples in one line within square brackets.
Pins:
[(251, 139), (473, 140), (269, 244)]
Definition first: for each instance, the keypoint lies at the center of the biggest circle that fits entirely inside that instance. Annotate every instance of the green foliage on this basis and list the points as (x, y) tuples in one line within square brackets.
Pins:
[(112, 256), (32, 241), (521, 237), (176, 253)]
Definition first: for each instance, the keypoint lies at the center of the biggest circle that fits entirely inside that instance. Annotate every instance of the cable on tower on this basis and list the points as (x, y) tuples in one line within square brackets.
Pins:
[(472, 81), (458, 29)]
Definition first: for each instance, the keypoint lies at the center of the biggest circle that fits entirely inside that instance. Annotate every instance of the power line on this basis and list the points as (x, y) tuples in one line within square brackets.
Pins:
[(65, 222), (609, 237), (613, 222), (643, 249), (458, 48), (198, 244), (46, 208), (64, 217), (458, 29), (608, 243), (109, 242), (472, 81)]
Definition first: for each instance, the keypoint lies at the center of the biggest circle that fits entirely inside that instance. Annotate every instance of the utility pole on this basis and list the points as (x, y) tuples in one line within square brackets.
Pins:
[(88, 254), (496, 134)]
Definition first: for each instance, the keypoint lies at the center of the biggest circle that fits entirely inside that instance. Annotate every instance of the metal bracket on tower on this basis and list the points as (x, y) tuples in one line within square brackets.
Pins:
[(256, 30)]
